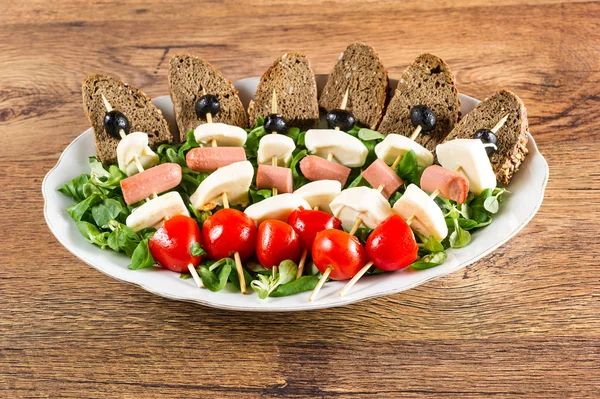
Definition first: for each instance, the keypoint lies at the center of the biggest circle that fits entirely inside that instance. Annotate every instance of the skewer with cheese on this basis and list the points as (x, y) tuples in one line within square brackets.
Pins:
[(278, 207), (223, 135), (343, 148), (132, 146), (278, 146), (468, 157), (233, 179), (364, 203), (155, 211), (396, 145), (426, 217), (320, 193)]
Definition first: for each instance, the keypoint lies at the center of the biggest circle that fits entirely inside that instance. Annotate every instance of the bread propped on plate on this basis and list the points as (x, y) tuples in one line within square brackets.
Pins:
[(143, 116), (189, 78), (427, 81), (512, 136), (359, 70), (294, 81)]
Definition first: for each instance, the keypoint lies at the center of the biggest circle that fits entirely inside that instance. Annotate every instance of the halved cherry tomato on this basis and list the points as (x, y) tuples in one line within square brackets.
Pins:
[(277, 241), (308, 222), (340, 250), (392, 246), (229, 231), (170, 245)]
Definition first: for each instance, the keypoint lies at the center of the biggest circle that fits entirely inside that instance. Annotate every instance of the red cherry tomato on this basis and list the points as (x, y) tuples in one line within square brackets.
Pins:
[(170, 245), (307, 223), (277, 241), (340, 250), (392, 246), (229, 231)]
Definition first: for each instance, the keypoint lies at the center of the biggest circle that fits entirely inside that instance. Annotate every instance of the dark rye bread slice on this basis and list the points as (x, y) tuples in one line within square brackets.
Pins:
[(427, 81), (361, 72), (143, 116), (188, 76), (512, 136), (294, 81)]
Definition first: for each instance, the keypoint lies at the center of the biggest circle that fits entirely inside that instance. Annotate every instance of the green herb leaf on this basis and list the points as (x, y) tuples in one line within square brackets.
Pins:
[(92, 234), (368, 135), (432, 245), (299, 179), (106, 211), (216, 281), (429, 261), (141, 257), (78, 210), (101, 177), (197, 250), (459, 237), (264, 285), (303, 284), (408, 168), (259, 195), (75, 188)]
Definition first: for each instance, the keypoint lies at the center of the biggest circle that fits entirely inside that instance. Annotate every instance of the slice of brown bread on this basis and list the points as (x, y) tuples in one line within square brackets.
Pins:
[(143, 116), (294, 81), (188, 76), (512, 136), (361, 72), (427, 81)]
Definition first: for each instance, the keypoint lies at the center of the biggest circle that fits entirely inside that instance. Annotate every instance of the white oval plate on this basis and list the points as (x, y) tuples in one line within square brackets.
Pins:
[(527, 193)]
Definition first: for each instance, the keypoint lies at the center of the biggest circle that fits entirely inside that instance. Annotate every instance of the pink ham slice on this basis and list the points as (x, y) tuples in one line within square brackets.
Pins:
[(209, 159), (316, 168), (277, 177), (380, 174), (452, 185), (154, 180)]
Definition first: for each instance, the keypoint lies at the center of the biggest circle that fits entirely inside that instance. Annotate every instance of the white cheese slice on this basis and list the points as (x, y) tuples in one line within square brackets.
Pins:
[(233, 179), (320, 193), (135, 145), (360, 202), (275, 145), (225, 135), (395, 145), (471, 157), (154, 212), (428, 217), (346, 149), (278, 207)]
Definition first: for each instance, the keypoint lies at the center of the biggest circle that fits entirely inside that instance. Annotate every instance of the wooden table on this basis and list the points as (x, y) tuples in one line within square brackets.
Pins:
[(523, 322)]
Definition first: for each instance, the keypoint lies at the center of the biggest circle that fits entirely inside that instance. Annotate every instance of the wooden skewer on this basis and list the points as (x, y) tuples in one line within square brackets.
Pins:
[(236, 255), (140, 169), (319, 285), (274, 111), (344, 104), (500, 123)]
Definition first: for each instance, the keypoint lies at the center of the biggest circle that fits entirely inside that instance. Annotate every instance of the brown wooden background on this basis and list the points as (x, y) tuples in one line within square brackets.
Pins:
[(523, 322)]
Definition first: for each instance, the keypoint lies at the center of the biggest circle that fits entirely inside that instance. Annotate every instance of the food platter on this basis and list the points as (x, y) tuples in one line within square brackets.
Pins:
[(527, 192)]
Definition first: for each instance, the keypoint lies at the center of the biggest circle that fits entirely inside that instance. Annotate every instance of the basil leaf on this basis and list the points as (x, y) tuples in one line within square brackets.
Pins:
[(459, 237), (408, 168), (200, 216), (357, 182), (293, 133), (101, 177), (429, 261), (432, 245), (141, 257), (287, 271), (259, 195), (253, 139), (122, 238), (216, 281), (299, 179), (234, 279), (78, 210), (75, 188), (368, 134), (303, 284), (197, 250), (92, 234), (106, 211), (394, 198), (466, 224)]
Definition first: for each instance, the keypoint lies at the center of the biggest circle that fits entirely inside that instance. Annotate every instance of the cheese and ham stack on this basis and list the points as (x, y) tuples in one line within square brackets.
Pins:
[(222, 145), (364, 203), (234, 180), (274, 154), (333, 154)]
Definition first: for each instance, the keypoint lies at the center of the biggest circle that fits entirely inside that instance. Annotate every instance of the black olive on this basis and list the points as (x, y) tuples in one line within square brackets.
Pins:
[(487, 137), (341, 118), (422, 116), (114, 122), (276, 123), (207, 104)]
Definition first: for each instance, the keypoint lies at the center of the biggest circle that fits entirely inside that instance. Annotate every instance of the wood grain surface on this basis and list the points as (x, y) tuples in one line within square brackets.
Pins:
[(522, 323)]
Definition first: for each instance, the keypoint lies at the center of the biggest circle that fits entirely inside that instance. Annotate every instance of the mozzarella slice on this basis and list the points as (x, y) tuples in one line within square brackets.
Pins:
[(275, 145), (470, 156), (346, 149), (360, 202), (233, 179), (278, 207), (225, 135), (135, 145), (320, 193), (154, 212), (428, 217), (395, 145)]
